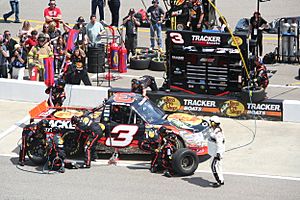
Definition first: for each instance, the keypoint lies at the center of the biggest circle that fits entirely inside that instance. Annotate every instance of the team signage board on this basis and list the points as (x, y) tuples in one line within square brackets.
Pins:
[(203, 62), (222, 106)]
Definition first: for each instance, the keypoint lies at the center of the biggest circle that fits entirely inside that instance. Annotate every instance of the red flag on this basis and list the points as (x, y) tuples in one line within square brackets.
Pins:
[(73, 34), (49, 71)]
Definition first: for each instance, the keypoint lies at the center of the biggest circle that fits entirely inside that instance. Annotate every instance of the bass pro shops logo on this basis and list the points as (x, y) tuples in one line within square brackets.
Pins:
[(169, 104), (206, 40)]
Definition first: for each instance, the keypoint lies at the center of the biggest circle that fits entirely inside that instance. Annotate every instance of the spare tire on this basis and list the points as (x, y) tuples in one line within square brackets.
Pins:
[(157, 64), (139, 63), (185, 162), (258, 94)]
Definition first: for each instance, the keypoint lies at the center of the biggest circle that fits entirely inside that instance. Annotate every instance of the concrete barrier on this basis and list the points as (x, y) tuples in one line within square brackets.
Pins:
[(291, 111), (31, 91)]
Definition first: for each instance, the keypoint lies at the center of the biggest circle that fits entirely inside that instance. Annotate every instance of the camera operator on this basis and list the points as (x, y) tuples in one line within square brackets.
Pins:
[(18, 61), (131, 23), (4, 54)]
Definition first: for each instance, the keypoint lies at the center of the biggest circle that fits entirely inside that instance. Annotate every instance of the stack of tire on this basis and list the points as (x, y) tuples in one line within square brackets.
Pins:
[(148, 59)]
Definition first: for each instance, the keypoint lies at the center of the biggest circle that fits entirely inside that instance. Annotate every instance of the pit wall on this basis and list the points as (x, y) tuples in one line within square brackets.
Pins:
[(89, 96), (30, 91)]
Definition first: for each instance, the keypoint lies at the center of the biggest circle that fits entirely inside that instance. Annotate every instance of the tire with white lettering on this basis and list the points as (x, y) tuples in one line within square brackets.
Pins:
[(157, 64), (139, 63), (71, 144), (185, 162), (258, 94)]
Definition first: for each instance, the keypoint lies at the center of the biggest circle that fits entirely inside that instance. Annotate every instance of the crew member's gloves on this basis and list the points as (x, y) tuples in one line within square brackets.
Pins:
[(218, 156)]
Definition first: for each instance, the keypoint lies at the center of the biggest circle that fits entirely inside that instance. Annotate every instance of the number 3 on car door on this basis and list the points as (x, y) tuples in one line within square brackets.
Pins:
[(124, 136)]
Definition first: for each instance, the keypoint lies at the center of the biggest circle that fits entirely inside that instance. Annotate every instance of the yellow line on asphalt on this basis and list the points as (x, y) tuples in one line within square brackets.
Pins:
[(141, 30)]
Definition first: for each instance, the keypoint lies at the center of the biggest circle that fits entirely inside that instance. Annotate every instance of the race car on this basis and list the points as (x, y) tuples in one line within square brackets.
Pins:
[(127, 118)]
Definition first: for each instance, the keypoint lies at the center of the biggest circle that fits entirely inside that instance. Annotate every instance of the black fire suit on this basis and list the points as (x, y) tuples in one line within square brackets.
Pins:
[(94, 132), (140, 86), (56, 95), (29, 131)]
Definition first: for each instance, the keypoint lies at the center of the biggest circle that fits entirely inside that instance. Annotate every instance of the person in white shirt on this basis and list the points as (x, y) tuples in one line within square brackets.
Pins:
[(94, 30)]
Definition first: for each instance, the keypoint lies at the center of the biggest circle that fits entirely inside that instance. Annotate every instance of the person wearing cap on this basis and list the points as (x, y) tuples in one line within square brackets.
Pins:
[(52, 13), (216, 149), (100, 4), (131, 24), (114, 7), (37, 54), (196, 16), (257, 25), (14, 4), (157, 15), (80, 25), (4, 55), (18, 61)]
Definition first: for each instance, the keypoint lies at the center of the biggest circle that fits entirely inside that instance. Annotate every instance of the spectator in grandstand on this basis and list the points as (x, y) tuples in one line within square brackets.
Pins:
[(131, 23), (80, 25), (18, 61), (53, 32), (114, 7), (25, 31), (4, 54), (52, 13), (14, 4), (100, 4), (10, 43), (31, 41), (156, 16), (94, 30)]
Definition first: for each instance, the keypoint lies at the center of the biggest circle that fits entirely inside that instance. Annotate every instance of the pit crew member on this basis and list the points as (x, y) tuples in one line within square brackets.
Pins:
[(94, 132), (140, 85), (56, 93), (216, 149), (35, 129), (56, 153)]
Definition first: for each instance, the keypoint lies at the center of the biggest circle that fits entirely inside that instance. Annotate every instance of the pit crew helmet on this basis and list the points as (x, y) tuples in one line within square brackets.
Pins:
[(55, 130), (61, 83), (43, 124), (75, 120), (215, 120)]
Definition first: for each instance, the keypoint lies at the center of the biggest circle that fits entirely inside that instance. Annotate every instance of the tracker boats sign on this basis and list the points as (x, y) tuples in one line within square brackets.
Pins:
[(206, 40)]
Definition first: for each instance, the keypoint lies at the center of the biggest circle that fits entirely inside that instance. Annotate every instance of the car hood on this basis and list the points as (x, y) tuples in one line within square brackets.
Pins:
[(187, 122)]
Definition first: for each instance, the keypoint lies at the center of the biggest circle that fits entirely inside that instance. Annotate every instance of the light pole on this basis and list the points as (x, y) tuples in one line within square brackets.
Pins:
[(258, 1)]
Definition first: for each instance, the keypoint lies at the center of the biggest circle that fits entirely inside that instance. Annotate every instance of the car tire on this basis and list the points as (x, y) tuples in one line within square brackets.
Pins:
[(157, 65), (71, 145), (139, 63), (258, 94), (185, 162), (36, 151)]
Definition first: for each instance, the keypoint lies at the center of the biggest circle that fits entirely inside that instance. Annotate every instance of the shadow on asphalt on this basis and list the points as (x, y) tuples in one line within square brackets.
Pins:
[(199, 181)]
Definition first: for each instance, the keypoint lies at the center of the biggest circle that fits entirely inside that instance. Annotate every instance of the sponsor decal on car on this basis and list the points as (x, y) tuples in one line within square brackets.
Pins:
[(206, 40)]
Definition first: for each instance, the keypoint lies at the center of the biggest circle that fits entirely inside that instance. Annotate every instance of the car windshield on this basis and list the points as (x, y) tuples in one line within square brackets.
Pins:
[(148, 111)]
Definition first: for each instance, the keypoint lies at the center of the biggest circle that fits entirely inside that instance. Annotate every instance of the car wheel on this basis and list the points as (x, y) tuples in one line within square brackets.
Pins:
[(36, 151), (185, 162), (258, 94), (71, 145), (157, 64), (139, 63)]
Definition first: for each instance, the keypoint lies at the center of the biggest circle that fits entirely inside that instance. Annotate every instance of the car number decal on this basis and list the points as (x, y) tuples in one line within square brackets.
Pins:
[(124, 136), (124, 97)]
